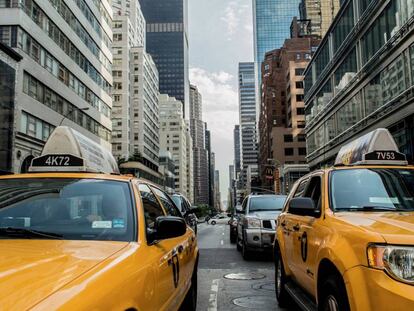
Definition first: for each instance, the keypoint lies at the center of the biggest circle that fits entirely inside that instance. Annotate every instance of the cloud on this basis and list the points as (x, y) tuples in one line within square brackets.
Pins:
[(233, 15), (218, 93)]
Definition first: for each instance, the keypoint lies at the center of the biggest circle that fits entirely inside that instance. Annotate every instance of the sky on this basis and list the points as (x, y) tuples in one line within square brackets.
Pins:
[(220, 36)]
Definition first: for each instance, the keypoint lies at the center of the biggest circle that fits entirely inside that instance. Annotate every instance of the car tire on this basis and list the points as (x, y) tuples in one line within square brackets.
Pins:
[(246, 254), (333, 295), (238, 246), (282, 296), (190, 300), (213, 222), (232, 239)]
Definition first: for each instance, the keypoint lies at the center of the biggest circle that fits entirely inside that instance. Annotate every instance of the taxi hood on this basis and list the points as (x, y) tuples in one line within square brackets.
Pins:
[(265, 214), (394, 227), (32, 270)]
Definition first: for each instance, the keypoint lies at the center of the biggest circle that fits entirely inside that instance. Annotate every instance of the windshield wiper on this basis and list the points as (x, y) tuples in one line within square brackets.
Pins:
[(370, 208), (28, 233)]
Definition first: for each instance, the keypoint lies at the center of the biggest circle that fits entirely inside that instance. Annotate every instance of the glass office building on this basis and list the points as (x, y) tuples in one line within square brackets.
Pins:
[(167, 42), (271, 20), (362, 78)]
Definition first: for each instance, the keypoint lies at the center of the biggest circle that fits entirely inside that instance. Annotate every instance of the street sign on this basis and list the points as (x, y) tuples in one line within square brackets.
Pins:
[(269, 173)]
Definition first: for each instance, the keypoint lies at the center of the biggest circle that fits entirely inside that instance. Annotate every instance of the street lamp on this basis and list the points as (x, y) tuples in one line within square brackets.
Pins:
[(66, 116)]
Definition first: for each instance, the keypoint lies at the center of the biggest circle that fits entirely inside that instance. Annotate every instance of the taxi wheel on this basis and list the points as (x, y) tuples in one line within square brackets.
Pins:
[(334, 296), (282, 296), (245, 252), (238, 242), (190, 301)]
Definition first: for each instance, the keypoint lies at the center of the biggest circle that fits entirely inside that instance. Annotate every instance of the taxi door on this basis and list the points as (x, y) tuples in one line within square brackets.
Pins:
[(182, 253), (289, 223), (164, 253), (308, 237)]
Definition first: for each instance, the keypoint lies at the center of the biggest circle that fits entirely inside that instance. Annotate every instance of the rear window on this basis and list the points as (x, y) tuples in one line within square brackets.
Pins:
[(75, 209), (267, 203)]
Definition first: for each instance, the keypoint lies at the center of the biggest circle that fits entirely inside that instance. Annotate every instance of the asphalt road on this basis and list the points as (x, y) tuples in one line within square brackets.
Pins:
[(218, 259)]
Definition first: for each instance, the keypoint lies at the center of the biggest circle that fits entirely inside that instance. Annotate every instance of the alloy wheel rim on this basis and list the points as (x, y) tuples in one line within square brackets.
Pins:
[(331, 304), (278, 278)]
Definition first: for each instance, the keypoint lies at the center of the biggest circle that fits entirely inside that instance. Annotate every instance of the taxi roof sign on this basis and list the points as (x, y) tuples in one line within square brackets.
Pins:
[(377, 147), (70, 151)]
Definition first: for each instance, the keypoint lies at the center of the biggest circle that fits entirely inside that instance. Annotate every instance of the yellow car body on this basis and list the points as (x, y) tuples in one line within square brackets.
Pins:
[(43, 274), (336, 242)]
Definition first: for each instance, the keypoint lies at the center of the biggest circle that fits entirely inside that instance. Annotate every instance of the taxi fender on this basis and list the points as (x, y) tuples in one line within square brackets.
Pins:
[(279, 247)]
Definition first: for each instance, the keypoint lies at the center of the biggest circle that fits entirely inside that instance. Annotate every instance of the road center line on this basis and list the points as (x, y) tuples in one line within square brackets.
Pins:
[(222, 242), (212, 303)]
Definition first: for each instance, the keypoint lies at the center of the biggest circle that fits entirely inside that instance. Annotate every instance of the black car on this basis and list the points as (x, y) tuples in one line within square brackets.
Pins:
[(233, 228), (186, 210)]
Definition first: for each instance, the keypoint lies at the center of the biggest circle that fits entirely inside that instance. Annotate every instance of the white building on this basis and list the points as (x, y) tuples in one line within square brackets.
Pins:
[(65, 75), (190, 164), (135, 92), (174, 138)]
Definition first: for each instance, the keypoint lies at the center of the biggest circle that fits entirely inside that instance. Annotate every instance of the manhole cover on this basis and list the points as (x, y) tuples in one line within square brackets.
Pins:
[(255, 302), (244, 276), (268, 286)]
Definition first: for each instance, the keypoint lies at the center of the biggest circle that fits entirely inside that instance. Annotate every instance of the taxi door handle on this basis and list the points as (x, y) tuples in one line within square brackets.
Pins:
[(283, 224), (180, 249), (296, 227)]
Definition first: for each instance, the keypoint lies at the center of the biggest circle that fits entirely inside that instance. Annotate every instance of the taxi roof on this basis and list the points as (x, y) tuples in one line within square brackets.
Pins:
[(376, 148), (80, 175), (67, 150)]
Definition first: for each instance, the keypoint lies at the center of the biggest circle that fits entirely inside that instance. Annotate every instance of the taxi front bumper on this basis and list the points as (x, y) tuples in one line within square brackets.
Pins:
[(259, 239), (371, 289)]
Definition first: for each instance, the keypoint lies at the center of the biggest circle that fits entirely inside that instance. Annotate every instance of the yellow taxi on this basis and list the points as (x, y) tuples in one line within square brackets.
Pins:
[(345, 239), (76, 235)]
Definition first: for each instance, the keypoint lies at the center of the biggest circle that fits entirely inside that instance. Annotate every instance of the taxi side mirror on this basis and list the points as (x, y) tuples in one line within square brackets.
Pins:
[(302, 206), (168, 227)]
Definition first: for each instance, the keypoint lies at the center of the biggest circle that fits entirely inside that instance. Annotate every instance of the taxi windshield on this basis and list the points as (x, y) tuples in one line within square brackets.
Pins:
[(385, 189), (267, 203), (69, 209)]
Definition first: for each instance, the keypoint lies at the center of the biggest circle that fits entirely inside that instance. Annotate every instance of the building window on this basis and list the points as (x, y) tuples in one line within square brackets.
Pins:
[(300, 111), (299, 84), (302, 151), (346, 71), (343, 27), (301, 124), (299, 71), (288, 138), (301, 137), (299, 98), (35, 127), (288, 151)]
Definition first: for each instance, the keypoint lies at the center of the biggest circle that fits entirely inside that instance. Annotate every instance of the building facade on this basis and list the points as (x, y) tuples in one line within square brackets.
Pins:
[(190, 164), (217, 193), (200, 153), (282, 112), (173, 139), (361, 80), (247, 120), (65, 75), (320, 14), (211, 165), (167, 42)]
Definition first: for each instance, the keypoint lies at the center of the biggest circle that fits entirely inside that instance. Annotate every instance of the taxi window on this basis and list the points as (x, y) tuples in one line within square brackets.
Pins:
[(72, 209), (300, 188), (313, 191), (152, 209), (167, 203), (386, 189)]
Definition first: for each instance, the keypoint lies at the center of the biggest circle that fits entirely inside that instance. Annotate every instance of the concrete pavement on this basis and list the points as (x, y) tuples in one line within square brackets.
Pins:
[(221, 270)]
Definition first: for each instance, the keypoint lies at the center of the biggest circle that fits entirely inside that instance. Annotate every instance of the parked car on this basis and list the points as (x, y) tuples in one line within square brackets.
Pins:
[(256, 227), (186, 210)]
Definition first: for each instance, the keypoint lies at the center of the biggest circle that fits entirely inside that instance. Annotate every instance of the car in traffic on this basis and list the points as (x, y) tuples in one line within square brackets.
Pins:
[(257, 223), (345, 239), (77, 235), (187, 210)]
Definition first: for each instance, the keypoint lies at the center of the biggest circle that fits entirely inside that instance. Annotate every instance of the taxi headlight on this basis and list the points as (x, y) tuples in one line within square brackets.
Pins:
[(253, 222), (398, 261)]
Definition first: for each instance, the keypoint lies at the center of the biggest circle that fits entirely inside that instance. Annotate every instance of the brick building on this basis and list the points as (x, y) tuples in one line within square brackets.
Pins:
[(282, 113)]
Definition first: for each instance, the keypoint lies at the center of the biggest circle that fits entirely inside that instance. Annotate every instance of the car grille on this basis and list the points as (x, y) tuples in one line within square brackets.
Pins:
[(267, 224)]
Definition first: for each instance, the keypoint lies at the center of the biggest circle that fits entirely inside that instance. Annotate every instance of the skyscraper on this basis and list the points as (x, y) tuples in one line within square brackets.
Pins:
[(200, 153), (247, 115), (271, 21), (135, 116), (167, 42), (320, 13), (64, 77), (236, 138)]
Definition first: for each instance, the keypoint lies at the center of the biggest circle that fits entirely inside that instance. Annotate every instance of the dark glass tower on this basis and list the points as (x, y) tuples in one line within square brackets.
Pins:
[(167, 42)]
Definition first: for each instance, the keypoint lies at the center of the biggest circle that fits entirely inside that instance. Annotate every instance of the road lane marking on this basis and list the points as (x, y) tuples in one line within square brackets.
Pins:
[(212, 303), (223, 233), (222, 242)]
